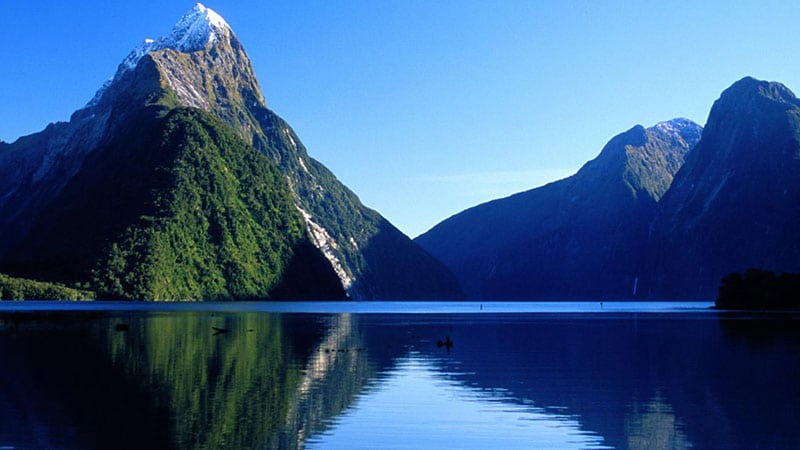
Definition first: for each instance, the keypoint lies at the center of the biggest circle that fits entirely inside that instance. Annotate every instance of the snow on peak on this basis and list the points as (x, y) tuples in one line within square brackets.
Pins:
[(680, 127), (210, 16), (194, 31), (676, 125)]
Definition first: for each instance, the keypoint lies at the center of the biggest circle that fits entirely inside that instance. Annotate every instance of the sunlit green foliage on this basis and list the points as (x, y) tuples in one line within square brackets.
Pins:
[(22, 289), (176, 207), (223, 228), (155, 202)]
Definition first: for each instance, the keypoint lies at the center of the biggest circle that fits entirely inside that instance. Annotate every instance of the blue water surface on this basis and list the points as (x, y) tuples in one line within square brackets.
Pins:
[(397, 375), (367, 307)]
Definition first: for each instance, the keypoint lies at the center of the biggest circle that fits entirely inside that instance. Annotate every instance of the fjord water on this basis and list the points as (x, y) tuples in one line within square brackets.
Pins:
[(248, 376)]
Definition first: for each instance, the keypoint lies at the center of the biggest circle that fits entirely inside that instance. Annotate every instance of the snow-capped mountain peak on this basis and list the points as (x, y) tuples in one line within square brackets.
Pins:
[(682, 128), (194, 31), (675, 125)]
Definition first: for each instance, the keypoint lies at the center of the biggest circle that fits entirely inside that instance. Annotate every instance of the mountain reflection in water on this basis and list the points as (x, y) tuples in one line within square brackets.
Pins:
[(272, 380), (415, 405)]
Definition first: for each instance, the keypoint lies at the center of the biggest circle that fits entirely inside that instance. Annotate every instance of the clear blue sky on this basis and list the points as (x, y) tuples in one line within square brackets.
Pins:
[(425, 108)]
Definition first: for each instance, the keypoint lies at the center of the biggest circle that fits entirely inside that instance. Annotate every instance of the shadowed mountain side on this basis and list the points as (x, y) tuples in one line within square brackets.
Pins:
[(622, 227), (308, 276), (735, 204), (577, 238), (385, 271), (374, 259), (759, 290), (35, 168), (65, 243)]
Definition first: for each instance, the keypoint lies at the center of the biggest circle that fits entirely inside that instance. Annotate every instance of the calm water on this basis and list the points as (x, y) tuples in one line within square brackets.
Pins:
[(316, 375)]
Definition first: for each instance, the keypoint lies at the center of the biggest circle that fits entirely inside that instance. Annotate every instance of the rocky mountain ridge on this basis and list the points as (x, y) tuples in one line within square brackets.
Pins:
[(203, 65), (531, 245), (736, 201), (661, 213)]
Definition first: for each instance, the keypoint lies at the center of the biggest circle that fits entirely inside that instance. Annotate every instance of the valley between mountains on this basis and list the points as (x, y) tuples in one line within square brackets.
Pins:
[(178, 182)]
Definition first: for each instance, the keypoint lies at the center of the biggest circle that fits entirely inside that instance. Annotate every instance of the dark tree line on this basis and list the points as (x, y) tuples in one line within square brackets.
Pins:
[(759, 289)]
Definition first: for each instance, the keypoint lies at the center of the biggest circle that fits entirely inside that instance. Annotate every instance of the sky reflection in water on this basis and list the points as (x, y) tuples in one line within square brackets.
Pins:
[(415, 405)]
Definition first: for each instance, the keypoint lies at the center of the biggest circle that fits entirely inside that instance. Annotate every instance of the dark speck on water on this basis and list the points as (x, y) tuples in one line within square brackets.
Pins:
[(218, 331), (447, 343)]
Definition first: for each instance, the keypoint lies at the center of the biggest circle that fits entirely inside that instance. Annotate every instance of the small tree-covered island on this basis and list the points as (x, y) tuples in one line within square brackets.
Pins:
[(759, 289)]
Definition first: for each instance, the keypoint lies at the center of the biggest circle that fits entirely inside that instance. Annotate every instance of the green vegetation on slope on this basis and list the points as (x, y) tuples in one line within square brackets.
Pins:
[(226, 229), (176, 207), (22, 289), (117, 205), (226, 226)]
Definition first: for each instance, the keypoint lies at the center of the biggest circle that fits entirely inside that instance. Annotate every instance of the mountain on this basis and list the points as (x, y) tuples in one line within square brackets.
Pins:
[(175, 206), (177, 181), (735, 204), (648, 218), (577, 238)]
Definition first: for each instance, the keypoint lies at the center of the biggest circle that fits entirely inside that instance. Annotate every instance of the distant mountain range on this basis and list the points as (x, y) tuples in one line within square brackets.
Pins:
[(176, 182), (661, 213)]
